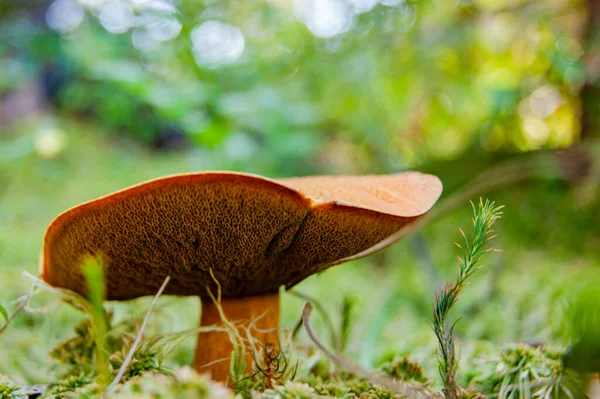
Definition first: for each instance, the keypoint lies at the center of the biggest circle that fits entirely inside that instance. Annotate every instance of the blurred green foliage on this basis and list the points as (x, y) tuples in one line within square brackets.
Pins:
[(401, 84)]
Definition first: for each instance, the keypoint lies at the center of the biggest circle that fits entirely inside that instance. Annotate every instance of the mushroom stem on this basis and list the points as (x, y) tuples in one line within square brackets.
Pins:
[(213, 351)]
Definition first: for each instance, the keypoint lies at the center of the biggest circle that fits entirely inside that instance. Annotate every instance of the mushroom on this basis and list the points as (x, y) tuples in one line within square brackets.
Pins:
[(250, 233)]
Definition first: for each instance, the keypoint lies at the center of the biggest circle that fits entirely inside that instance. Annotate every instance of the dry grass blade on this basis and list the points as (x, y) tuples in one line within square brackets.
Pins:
[(410, 391), (24, 301), (234, 334), (138, 339), (237, 365), (73, 299), (22, 306)]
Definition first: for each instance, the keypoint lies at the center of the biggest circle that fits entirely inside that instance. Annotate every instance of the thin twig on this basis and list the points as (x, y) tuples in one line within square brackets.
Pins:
[(335, 340), (22, 306), (296, 329), (504, 174), (514, 171), (72, 298), (402, 388), (138, 339)]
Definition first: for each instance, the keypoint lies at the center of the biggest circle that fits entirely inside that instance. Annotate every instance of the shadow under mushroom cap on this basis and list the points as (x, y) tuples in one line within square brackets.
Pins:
[(255, 233)]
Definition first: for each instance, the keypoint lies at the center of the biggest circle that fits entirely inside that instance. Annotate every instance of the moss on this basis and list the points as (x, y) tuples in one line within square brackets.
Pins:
[(7, 388), (522, 369), (185, 383), (76, 353), (76, 356), (404, 369), (290, 390), (344, 385), (67, 386), (140, 363), (355, 388)]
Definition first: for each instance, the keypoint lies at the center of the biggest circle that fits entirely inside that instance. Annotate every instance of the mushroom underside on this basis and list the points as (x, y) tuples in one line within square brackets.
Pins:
[(251, 240)]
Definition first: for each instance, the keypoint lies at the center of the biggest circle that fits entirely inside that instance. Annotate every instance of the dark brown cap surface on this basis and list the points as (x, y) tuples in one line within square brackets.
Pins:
[(255, 233)]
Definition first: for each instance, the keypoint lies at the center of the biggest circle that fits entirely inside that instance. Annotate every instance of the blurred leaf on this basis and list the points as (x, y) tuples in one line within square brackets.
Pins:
[(93, 272), (4, 312)]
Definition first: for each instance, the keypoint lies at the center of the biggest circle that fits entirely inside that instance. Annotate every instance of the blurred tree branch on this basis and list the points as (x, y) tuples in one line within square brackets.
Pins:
[(590, 92), (572, 164)]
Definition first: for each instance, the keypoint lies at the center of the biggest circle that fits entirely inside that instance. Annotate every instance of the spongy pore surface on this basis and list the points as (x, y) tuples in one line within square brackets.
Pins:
[(256, 234)]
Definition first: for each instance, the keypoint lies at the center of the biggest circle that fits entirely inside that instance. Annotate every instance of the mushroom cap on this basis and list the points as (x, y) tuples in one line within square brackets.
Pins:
[(255, 233)]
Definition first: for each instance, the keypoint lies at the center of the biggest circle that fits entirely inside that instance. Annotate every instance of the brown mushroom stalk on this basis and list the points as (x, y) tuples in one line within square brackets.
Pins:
[(214, 348), (249, 233)]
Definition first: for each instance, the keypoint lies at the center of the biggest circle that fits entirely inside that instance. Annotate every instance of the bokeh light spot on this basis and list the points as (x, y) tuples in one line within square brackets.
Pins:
[(160, 27), (152, 29), (544, 101), (324, 18), (64, 16), (360, 6), (49, 143), (142, 41), (390, 3), (116, 17), (215, 43), (536, 132)]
